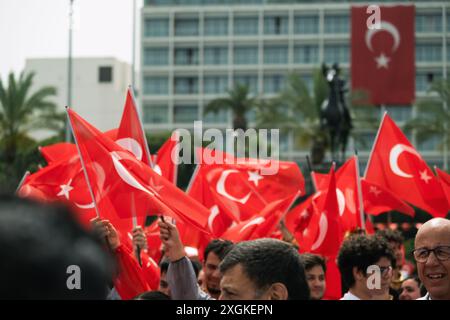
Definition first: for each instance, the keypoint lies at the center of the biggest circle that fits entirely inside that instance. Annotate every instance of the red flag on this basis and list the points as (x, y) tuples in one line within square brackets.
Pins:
[(58, 151), (130, 185), (240, 188), (444, 180), (261, 225), (325, 225), (394, 164), (346, 193), (165, 164), (130, 281), (131, 135), (383, 60), (333, 289), (378, 200)]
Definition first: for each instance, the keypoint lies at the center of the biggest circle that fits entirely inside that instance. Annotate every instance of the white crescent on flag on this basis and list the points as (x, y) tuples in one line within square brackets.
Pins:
[(220, 187), (393, 159)]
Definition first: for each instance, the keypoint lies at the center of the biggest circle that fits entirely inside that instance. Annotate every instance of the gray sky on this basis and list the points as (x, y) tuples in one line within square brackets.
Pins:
[(39, 28)]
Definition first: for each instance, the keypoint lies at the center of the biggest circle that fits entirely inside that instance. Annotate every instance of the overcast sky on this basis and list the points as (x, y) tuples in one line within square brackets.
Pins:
[(39, 28)]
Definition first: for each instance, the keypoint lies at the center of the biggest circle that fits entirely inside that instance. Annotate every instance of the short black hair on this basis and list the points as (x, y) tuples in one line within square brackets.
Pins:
[(219, 247), (362, 251), (268, 261), (164, 265), (152, 295), (391, 235), (311, 260), (42, 246)]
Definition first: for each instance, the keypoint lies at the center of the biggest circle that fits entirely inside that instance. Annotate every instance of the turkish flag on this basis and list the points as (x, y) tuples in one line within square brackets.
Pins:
[(130, 187), (58, 151), (444, 180), (325, 230), (240, 188), (299, 218), (333, 289), (346, 193), (130, 134), (383, 60), (378, 200), (165, 161), (395, 165), (261, 225)]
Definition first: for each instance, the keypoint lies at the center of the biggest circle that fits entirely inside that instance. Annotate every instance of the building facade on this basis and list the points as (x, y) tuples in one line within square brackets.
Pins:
[(193, 51), (98, 87)]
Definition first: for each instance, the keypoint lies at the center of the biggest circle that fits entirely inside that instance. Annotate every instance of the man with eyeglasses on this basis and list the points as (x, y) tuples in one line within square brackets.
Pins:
[(432, 254)]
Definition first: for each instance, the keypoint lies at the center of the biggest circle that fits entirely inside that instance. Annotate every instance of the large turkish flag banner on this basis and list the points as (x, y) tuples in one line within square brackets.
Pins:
[(383, 60)]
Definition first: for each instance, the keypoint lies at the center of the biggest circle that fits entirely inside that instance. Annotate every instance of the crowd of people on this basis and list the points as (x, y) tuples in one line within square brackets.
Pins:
[(39, 242)]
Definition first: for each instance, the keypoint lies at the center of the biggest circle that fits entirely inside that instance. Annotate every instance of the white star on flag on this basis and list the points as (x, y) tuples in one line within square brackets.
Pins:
[(254, 177), (375, 191), (424, 176), (65, 189), (382, 61)]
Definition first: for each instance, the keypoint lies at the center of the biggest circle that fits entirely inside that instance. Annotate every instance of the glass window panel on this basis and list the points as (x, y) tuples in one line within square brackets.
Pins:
[(274, 83), (216, 26), (216, 55), (246, 55), (186, 27), (249, 80), (215, 84), (246, 25), (399, 113), (186, 85), (156, 85), (156, 27), (185, 114), (156, 56), (186, 56), (156, 114), (306, 25), (276, 55), (429, 22), (337, 24), (337, 53), (219, 117), (276, 25), (428, 53), (306, 54)]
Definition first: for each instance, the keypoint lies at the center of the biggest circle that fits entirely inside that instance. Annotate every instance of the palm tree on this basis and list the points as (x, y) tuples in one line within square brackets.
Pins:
[(238, 101), (433, 114), (22, 111), (298, 109)]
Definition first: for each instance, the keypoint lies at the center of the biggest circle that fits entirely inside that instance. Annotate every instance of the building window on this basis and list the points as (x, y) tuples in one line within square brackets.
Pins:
[(337, 53), (423, 81), (219, 117), (156, 56), (185, 114), (156, 85), (275, 55), (246, 55), (251, 81), (430, 144), (215, 84), (246, 26), (429, 22), (186, 27), (276, 25), (186, 85), (337, 24), (428, 53), (216, 55), (216, 26), (308, 81), (105, 74), (274, 83), (156, 114), (156, 27), (306, 54), (399, 113), (306, 25), (186, 56)]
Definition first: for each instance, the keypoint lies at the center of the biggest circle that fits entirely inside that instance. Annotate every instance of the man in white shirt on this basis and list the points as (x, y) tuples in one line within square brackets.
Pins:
[(432, 253), (356, 255)]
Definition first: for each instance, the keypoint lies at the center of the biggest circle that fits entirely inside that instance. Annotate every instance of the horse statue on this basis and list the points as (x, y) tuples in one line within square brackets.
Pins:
[(335, 117)]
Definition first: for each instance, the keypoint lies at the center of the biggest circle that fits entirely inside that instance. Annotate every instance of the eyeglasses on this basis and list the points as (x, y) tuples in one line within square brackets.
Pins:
[(442, 253), (385, 270)]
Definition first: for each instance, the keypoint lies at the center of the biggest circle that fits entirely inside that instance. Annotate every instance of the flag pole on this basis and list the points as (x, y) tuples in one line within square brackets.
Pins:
[(88, 182), (194, 174), (360, 196), (177, 150), (25, 176), (141, 127), (374, 144), (134, 220)]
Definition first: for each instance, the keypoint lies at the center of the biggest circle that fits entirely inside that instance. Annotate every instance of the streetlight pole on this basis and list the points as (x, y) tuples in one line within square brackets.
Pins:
[(69, 71)]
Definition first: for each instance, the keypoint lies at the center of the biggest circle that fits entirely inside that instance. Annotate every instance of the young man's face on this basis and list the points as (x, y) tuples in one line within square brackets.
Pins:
[(316, 282), (410, 290), (212, 274), (386, 275), (235, 285)]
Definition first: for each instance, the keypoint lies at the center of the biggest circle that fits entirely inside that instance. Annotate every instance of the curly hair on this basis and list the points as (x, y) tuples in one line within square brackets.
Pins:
[(362, 251), (391, 235)]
